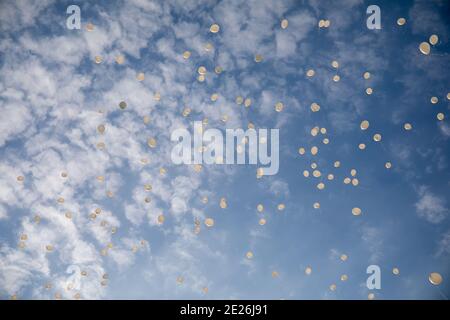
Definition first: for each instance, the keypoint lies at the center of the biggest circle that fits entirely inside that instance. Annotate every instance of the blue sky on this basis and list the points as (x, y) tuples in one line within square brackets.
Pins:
[(53, 97)]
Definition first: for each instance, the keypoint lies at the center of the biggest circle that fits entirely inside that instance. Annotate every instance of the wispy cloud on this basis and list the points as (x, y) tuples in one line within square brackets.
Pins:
[(430, 206)]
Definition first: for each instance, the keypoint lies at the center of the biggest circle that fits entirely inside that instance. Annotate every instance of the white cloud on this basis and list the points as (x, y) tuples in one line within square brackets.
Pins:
[(445, 129), (279, 188), (16, 15), (430, 206), (444, 245), (373, 239)]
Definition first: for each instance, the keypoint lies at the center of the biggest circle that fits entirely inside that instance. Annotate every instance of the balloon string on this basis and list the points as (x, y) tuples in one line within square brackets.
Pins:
[(442, 294)]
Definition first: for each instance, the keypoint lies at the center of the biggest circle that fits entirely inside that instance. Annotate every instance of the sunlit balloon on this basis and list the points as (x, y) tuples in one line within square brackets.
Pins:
[(259, 173), (377, 137), (209, 47), (407, 126), (201, 70), (434, 39), (180, 279), (209, 222), (424, 48), (356, 211), (258, 58), (315, 107), (122, 105), (214, 28), (151, 142), (435, 278), (316, 173), (101, 128), (186, 54), (140, 76), (401, 21), (186, 112), (120, 59), (279, 107), (315, 131), (364, 125)]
